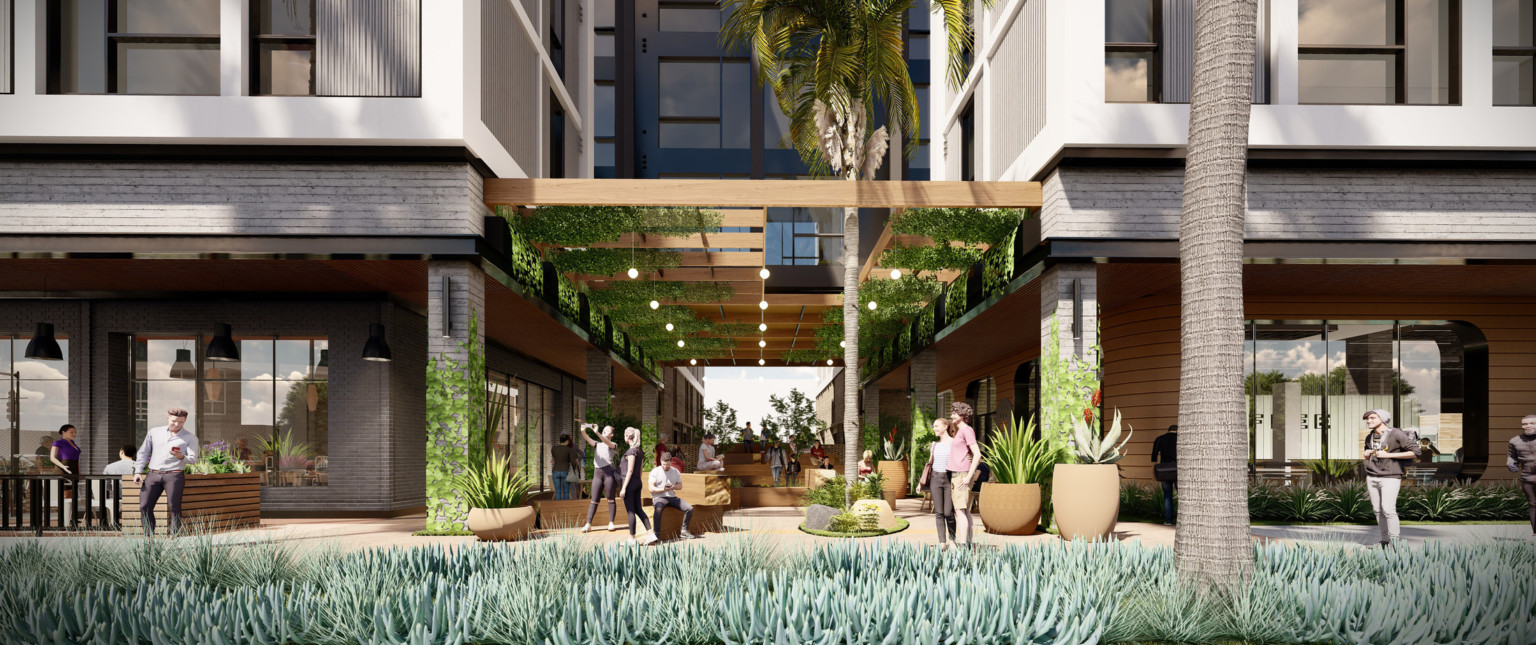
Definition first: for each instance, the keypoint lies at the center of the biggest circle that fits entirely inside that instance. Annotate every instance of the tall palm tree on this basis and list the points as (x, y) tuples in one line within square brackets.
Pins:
[(1212, 544), (831, 65)]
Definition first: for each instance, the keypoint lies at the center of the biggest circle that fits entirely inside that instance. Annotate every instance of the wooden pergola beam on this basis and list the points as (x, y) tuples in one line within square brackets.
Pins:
[(749, 193)]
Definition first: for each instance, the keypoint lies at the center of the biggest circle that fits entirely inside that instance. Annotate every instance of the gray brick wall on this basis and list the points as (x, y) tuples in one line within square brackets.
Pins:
[(1056, 300), (1291, 204), (241, 198), (376, 410)]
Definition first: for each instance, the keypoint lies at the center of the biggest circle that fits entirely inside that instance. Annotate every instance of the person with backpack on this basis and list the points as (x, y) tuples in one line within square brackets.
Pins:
[(1165, 468), (1387, 453)]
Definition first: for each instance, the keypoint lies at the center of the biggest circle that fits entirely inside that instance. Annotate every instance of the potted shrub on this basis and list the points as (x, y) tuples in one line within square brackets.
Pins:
[(1021, 462), (893, 467), (498, 500), (1086, 494)]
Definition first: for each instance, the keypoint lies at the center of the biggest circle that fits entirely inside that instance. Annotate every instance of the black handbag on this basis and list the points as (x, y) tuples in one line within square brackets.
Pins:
[(1165, 472)]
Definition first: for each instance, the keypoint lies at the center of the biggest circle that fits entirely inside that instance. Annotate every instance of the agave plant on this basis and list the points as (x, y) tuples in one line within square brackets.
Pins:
[(1093, 449), (1017, 456), (283, 447), (495, 484), (895, 449)]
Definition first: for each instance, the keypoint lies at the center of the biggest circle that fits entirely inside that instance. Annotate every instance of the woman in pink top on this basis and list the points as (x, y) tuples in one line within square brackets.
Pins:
[(964, 457)]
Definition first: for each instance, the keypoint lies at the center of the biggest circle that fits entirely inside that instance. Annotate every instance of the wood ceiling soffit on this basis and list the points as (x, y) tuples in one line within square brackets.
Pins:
[(746, 193)]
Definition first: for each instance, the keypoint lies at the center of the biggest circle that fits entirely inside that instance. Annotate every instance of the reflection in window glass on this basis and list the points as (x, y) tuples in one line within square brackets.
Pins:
[(920, 159), (286, 70), (1514, 23), (1429, 59), (690, 89), (42, 402), (690, 135), (603, 111), (917, 47), (1339, 78), (1128, 21), (1348, 22), (917, 16), (287, 17), (1127, 77), (605, 14), (271, 407), (603, 154), (736, 110), (185, 17), (1513, 77), (775, 124), (922, 108), (699, 19), (167, 68), (603, 45)]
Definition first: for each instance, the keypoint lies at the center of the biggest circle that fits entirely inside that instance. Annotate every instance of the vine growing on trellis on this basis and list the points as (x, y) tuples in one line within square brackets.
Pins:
[(574, 226), (957, 236), (455, 420), (1069, 386)]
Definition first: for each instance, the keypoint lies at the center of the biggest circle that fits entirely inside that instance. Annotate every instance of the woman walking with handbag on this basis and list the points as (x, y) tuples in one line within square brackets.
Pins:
[(631, 486), (936, 479)]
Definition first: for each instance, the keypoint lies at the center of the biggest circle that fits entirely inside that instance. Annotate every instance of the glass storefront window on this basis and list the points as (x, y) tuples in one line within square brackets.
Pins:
[(527, 427), (271, 407), (35, 407), (1308, 385)]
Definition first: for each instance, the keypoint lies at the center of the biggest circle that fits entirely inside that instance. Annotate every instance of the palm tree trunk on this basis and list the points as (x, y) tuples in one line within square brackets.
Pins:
[(1212, 546), (851, 388)]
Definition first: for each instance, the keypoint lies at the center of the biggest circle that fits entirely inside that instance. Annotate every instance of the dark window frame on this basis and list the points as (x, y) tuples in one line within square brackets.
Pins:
[(1155, 48), (1519, 51), (10, 41), (258, 39), (1399, 54), (719, 120), (114, 38)]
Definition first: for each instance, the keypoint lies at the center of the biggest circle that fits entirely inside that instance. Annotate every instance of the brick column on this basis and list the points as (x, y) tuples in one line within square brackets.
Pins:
[(1056, 300), (871, 405), (448, 444), (599, 379), (648, 400), (925, 385)]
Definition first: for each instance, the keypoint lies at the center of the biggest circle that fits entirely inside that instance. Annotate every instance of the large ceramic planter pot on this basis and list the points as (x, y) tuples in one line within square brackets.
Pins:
[(501, 524), (1010, 509), (895, 474), (1086, 500)]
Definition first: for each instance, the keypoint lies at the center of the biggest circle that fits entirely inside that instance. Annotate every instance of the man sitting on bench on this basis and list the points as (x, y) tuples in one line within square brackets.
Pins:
[(709, 461), (665, 481)]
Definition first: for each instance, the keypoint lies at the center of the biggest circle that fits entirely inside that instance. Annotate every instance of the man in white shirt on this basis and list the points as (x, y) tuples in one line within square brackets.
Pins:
[(124, 463), (165, 454), (708, 460), (665, 481)]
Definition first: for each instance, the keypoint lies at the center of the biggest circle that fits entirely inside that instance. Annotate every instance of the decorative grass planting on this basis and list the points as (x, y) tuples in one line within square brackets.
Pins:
[(1349, 503), (198, 590)]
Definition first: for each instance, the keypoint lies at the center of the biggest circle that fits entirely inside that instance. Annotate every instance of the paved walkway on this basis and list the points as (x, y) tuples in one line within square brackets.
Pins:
[(780, 525)]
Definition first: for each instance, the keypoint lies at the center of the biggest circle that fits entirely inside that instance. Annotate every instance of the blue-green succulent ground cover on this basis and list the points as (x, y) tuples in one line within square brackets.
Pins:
[(197, 590)]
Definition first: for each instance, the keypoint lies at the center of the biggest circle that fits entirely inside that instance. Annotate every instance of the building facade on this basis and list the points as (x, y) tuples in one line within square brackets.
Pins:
[(1390, 229), (303, 179)]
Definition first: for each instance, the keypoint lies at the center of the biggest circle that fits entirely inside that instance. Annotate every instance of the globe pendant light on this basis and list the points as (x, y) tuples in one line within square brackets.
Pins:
[(829, 361), (669, 326), (680, 343), (763, 273), (376, 349), (223, 348), (693, 361), (843, 344), (633, 273), (872, 305), (761, 362), (43, 347), (762, 326), (762, 343), (655, 304), (183, 369), (895, 274), (762, 304)]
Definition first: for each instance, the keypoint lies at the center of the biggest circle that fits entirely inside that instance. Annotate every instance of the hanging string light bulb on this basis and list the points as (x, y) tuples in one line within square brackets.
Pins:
[(657, 305), (762, 304), (633, 272), (762, 343), (871, 305), (829, 361), (843, 344), (669, 326), (763, 273), (895, 274), (693, 361), (761, 362), (680, 342), (762, 326)]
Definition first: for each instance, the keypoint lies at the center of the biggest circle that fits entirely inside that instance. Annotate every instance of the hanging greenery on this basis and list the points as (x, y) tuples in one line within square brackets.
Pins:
[(688, 325), (969, 227), (455, 413), (587, 225), (817, 355), (612, 261)]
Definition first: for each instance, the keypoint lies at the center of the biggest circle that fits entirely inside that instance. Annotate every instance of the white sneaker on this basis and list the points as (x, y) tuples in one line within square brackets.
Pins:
[(612, 528), (586, 528), (688, 536), (630, 542), (648, 539)]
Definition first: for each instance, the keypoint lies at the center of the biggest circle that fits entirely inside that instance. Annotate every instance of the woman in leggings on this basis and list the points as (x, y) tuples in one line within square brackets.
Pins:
[(937, 479), (605, 478), (631, 467)]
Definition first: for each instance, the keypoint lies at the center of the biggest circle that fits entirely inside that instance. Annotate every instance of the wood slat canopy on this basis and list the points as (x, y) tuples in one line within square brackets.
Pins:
[(758, 193)]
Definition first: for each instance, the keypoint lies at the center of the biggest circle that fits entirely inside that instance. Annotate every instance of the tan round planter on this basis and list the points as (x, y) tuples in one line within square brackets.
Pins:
[(1010, 509), (895, 474), (1086, 500), (500, 524)]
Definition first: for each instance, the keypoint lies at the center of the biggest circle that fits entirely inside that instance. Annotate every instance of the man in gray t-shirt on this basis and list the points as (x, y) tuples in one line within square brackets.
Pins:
[(1386, 448), (664, 483)]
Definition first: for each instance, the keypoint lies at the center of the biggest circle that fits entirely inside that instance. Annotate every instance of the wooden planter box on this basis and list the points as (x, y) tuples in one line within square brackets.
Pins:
[(759, 497), (209, 503)]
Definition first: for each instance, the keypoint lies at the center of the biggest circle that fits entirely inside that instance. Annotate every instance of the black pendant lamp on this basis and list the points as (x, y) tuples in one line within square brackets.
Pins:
[(43, 347), (222, 347), (183, 368), (376, 349), (322, 368)]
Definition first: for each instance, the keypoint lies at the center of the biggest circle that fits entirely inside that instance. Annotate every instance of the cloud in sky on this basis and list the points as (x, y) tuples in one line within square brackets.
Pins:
[(747, 388)]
